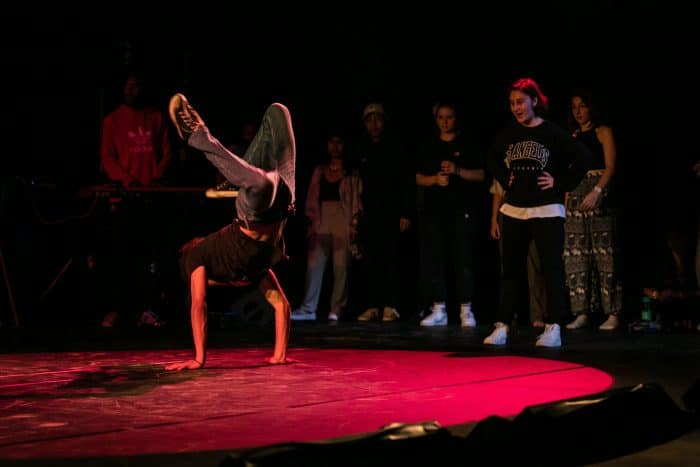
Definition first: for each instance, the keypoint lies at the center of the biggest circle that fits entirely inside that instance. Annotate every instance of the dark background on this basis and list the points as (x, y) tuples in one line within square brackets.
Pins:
[(64, 71), (325, 64)]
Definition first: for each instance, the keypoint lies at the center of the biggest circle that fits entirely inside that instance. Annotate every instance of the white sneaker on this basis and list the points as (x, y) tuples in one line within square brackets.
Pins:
[(438, 316), (610, 324), (303, 315), (466, 315), (390, 314), (581, 321), (499, 336), (551, 337), (333, 316)]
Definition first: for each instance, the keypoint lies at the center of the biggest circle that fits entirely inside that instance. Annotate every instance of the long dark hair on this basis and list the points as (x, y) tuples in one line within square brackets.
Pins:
[(587, 97)]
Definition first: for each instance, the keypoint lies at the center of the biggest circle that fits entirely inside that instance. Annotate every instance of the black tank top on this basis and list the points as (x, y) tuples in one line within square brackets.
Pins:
[(590, 139), (329, 191)]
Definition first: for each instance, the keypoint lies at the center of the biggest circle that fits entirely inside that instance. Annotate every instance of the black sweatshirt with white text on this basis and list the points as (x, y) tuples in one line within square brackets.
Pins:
[(520, 154)]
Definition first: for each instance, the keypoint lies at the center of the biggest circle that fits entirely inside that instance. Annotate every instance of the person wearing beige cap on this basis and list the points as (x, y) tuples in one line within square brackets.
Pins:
[(373, 108), (388, 199)]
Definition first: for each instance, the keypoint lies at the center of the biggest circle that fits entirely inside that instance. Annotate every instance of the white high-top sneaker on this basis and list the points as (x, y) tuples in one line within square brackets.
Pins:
[(499, 336), (466, 315), (551, 337), (438, 316)]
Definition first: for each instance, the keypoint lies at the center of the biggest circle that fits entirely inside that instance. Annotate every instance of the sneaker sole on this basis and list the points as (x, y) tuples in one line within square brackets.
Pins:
[(303, 318), (214, 194), (172, 106)]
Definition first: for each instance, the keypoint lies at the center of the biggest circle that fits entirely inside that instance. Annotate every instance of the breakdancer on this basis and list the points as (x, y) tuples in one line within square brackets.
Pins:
[(243, 252)]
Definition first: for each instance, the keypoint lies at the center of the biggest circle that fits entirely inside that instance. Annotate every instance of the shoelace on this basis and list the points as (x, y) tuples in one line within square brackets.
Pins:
[(225, 186), (187, 121), (186, 117)]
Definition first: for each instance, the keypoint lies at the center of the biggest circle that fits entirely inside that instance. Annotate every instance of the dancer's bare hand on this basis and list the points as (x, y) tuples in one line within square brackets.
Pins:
[(280, 361), (186, 365)]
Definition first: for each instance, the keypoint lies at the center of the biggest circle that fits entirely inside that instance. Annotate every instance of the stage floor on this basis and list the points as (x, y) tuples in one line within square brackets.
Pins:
[(96, 397)]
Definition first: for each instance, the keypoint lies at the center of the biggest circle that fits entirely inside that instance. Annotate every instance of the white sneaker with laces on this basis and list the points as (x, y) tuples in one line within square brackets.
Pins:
[(551, 337), (466, 315), (303, 315), (499, 336), (581, 321), (438, 316), (610, 324)]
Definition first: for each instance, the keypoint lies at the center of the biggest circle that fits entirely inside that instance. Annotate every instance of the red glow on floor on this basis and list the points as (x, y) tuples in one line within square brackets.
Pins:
[(80, 405)]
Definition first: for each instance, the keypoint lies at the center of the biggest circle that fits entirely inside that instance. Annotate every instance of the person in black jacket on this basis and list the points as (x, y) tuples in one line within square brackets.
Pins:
[(388, 201), (536, 162)]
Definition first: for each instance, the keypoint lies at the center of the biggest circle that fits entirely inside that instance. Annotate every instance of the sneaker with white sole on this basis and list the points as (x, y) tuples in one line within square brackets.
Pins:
[(466, 315), (551, 337), (610, 324), (499, 336), (581, 321), (390, 314), (438, 316), (303, 315)]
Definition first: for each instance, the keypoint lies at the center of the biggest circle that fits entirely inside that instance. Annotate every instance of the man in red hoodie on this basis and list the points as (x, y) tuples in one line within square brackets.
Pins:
[(135, 152), (135, 144)]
